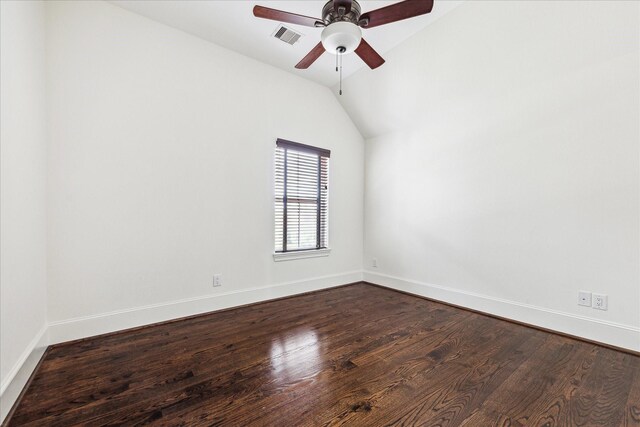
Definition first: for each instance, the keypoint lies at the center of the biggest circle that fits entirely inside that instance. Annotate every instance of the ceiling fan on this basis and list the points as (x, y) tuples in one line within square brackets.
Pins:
[(342, 21)]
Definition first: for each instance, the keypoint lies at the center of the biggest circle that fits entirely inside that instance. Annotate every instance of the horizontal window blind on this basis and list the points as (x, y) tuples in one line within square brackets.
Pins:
[(301, 197)]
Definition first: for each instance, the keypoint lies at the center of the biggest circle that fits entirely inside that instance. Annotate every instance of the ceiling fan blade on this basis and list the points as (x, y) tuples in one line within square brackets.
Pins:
[(368, 55), (396, 12), (282, 16), (311, 57), (346, 4)]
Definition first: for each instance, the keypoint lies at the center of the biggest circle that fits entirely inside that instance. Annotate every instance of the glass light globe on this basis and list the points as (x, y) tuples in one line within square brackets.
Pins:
[(341, 34)]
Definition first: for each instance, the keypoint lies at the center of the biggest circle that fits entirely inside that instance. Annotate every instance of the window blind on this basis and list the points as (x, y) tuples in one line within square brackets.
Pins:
[(301, 196)]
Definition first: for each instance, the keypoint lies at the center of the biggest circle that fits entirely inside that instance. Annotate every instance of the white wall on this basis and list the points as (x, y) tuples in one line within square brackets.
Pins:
[(22, 191), (502, 169), (161, 173)]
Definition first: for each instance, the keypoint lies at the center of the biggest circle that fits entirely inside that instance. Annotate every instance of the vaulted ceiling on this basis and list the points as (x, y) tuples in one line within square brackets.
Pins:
[(231, 24)]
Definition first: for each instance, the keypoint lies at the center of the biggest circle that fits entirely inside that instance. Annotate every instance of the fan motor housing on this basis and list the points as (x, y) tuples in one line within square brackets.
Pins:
[(330, 15)]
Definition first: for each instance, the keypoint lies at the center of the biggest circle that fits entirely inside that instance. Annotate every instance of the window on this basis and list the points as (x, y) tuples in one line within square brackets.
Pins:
[(301, 197)]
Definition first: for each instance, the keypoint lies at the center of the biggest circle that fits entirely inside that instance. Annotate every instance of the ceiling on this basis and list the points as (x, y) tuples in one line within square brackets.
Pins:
[(231, 24)]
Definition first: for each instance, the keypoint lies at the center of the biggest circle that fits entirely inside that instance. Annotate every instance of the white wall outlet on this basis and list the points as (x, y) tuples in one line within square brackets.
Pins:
[(600, 301), (374, 262), (217, 280), (584, 298)]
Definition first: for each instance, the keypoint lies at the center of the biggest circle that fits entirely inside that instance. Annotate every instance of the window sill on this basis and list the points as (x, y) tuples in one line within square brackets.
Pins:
[(311, 253)]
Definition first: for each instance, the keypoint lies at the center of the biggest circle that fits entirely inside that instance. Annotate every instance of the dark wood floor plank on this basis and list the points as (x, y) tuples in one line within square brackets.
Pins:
[(355, 355), (632, 411), (201, 339), (513, 404), (174, 391), (596, 400), (351, 337), (358, 376), (426, 390)]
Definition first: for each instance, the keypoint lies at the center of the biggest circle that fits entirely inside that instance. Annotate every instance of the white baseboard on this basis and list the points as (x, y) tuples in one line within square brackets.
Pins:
[(82, 327), (611, 333), (18, 376)]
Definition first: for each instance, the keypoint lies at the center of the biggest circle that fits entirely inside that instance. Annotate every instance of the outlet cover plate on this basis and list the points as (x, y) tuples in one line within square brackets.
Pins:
[(217, 280), (600, 302), (584, 298)]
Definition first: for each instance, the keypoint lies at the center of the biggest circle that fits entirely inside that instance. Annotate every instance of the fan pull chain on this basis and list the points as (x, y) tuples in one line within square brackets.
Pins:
[(340, 73), (339, 51)]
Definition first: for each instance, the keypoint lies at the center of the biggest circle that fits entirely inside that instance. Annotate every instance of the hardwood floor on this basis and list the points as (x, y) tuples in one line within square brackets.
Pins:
[(357, 355)]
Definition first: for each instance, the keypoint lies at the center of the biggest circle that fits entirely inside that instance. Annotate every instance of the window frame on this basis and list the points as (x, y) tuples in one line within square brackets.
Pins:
[(283, 253)]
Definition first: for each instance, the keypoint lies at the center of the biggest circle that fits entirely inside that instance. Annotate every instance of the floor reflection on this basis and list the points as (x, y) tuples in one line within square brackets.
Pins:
[(296, 355)]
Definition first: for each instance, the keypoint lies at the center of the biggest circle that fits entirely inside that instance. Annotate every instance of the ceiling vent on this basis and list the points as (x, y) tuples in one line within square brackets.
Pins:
[(287, 35)]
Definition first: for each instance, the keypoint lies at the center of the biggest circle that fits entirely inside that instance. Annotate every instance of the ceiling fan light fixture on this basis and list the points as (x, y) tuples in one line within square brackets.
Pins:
[(341, 34), (342, 20)]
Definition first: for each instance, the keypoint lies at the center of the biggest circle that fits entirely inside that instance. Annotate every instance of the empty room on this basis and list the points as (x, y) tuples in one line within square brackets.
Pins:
[(320, 213)]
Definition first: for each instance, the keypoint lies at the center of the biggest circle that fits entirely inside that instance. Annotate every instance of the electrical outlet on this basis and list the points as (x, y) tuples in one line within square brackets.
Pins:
[(584, 298), (217, 280), (600, 301), (374, 262)]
